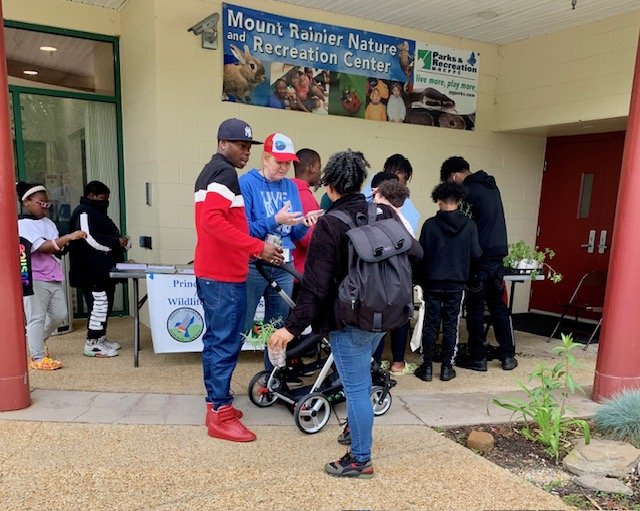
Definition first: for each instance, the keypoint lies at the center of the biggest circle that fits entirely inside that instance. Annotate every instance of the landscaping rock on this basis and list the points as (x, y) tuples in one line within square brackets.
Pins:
[(602, 457), (480, 441), (603, 484)]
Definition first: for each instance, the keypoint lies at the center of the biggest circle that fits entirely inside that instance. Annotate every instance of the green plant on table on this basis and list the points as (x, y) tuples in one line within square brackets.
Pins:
[(534, 257), (258, 339), (544, 413)]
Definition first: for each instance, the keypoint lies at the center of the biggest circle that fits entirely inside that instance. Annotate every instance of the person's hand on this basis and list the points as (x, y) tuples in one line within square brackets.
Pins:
[(287, 217), (272, 254), (308, 221), (77, 235), (123, 242), (280, 338)]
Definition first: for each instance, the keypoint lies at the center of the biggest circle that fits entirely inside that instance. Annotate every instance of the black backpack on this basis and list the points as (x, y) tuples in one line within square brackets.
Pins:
[(377, 293)]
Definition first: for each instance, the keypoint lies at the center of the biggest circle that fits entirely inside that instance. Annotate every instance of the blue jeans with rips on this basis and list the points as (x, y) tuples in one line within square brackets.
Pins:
[(225, 305), (352, 349), (274, 305)]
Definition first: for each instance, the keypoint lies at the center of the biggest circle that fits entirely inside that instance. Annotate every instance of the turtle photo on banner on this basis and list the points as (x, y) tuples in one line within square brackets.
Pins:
[(291, 64)]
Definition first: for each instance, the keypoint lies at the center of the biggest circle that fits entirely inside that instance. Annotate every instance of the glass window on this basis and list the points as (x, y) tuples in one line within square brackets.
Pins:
[(585, 196), (39, 59)]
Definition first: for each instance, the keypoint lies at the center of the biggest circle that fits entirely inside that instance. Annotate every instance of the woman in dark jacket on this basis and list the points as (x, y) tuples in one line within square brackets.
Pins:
[(326, 267)]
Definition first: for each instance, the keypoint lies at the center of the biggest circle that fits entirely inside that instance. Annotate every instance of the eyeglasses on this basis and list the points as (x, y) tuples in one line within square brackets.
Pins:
[(45, 205)]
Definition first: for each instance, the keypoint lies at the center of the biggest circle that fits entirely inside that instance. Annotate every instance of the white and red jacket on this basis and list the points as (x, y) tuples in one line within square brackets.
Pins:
[(224, 245)]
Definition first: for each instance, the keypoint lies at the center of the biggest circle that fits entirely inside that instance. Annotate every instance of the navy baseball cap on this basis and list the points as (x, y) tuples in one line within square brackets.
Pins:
[(236, 130)]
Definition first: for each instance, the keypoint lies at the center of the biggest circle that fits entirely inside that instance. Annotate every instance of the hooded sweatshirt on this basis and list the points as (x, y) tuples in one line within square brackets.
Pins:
[(88, 265), (450, 242), (484, 205), (262, 201)]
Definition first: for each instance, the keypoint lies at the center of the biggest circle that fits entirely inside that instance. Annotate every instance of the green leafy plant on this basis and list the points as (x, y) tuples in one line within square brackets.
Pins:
[(258, 339), (532, 260), (619, 417), (544, 413)]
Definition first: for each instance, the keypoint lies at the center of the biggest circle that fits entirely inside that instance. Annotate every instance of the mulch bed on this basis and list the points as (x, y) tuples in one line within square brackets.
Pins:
[(528, 460)]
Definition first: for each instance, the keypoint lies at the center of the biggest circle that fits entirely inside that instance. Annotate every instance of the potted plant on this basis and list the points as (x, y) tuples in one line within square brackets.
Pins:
[(527, 260)]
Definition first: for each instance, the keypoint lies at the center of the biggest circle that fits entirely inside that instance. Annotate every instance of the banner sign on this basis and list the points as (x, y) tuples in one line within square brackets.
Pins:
[(286, 63), (175, 313)]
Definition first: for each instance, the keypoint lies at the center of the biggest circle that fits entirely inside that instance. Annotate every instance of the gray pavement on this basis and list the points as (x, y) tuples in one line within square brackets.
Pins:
[(101, 434)]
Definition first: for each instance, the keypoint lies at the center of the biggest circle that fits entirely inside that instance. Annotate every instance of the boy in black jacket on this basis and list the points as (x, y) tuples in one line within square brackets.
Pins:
[(450, 242), (91, 260)]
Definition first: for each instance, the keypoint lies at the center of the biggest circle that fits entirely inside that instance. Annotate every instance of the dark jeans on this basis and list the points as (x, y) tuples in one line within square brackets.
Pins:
[(446, 308), (399, 338), (487, 287), (225, 305), (99, 299)]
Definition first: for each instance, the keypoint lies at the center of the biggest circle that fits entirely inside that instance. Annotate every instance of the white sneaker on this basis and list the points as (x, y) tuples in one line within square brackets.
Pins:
[(109, 344), (97, 348)]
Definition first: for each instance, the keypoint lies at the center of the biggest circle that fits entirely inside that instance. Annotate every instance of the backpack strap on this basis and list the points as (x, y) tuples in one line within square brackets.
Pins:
[(343, 217), (372, 212)]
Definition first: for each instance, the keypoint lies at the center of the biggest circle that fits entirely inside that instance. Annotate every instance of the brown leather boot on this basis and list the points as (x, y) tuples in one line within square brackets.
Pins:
[(224, 424)]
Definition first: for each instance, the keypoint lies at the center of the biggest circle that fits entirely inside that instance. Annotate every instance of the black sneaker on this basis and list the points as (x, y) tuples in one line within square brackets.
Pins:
[(509, 363), (424, 372), (474, 365), (344, 438), (447, 373), (347, 466)]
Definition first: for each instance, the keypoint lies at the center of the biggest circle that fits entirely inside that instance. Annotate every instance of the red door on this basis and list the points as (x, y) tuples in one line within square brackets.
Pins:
[(577, 209)]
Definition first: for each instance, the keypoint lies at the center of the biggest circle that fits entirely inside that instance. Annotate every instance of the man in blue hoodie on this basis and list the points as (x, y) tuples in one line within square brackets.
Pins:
[(484, 205), (273, 207)]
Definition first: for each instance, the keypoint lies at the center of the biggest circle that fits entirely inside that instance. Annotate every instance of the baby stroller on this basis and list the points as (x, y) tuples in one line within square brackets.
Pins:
[(311, 404)]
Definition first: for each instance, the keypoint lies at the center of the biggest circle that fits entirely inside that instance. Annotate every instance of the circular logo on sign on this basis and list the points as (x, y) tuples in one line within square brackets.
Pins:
[(185, 324)]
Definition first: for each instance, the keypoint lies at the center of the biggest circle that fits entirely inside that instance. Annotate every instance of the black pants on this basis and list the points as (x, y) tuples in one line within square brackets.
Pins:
[(399, 338), (99, 299), (487, 287), (441, 307)]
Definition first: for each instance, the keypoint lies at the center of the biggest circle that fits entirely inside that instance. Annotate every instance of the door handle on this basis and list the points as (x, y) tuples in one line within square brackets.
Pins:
[(591, 244), (602, 246)]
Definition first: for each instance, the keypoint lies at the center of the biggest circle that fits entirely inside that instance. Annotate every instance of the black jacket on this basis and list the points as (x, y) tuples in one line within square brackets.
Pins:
[(484, 205), (88, 265), (327, 265), (450, 242)]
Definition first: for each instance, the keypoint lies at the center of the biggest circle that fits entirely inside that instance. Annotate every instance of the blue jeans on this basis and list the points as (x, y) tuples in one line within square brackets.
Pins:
[(224, 306), (275, 306), (352, 349)]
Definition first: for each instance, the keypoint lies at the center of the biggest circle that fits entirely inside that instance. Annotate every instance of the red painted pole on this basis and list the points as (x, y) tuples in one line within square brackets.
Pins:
[(14, 377), (618, 364)]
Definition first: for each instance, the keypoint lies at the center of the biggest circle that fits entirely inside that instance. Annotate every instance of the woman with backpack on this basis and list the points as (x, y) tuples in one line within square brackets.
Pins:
[(326, 267)]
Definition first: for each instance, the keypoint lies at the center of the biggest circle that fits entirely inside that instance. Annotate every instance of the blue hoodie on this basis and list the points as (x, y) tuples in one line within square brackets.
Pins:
[(263, 199)]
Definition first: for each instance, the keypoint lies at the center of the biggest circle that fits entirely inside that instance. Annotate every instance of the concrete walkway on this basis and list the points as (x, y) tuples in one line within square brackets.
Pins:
[(142, 445)]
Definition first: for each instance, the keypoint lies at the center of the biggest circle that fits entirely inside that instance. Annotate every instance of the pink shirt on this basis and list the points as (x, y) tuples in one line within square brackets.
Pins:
[(44, 267), (309, 203)]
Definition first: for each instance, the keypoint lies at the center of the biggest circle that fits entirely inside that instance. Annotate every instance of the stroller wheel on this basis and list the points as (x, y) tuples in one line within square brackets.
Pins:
[(259, 394), (380, 407), (312, 412)]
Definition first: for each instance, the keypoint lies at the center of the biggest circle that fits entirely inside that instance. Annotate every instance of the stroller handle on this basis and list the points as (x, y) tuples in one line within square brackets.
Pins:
[(288, 267)]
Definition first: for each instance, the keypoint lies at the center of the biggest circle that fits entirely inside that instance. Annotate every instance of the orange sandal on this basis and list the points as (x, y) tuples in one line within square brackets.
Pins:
[(45, 364)]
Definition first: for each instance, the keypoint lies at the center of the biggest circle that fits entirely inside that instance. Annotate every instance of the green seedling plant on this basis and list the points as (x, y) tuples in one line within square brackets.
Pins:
[(619, 418), (520, 251), (258, 340), (543, 412)]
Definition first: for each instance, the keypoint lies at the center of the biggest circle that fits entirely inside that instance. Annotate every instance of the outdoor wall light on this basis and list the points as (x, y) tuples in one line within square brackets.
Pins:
[(29, 72), (208, 29), (50, 49)]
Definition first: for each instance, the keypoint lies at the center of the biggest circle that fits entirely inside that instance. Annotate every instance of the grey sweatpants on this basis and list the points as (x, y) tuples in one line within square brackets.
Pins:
[(45, 310)]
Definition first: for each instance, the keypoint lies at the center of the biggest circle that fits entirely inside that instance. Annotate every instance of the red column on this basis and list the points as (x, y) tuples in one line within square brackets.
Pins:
[(618, 364), (14, 378)]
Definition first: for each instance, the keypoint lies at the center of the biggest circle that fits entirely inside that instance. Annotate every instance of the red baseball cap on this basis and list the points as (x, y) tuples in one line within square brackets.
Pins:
[(280, 147)]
